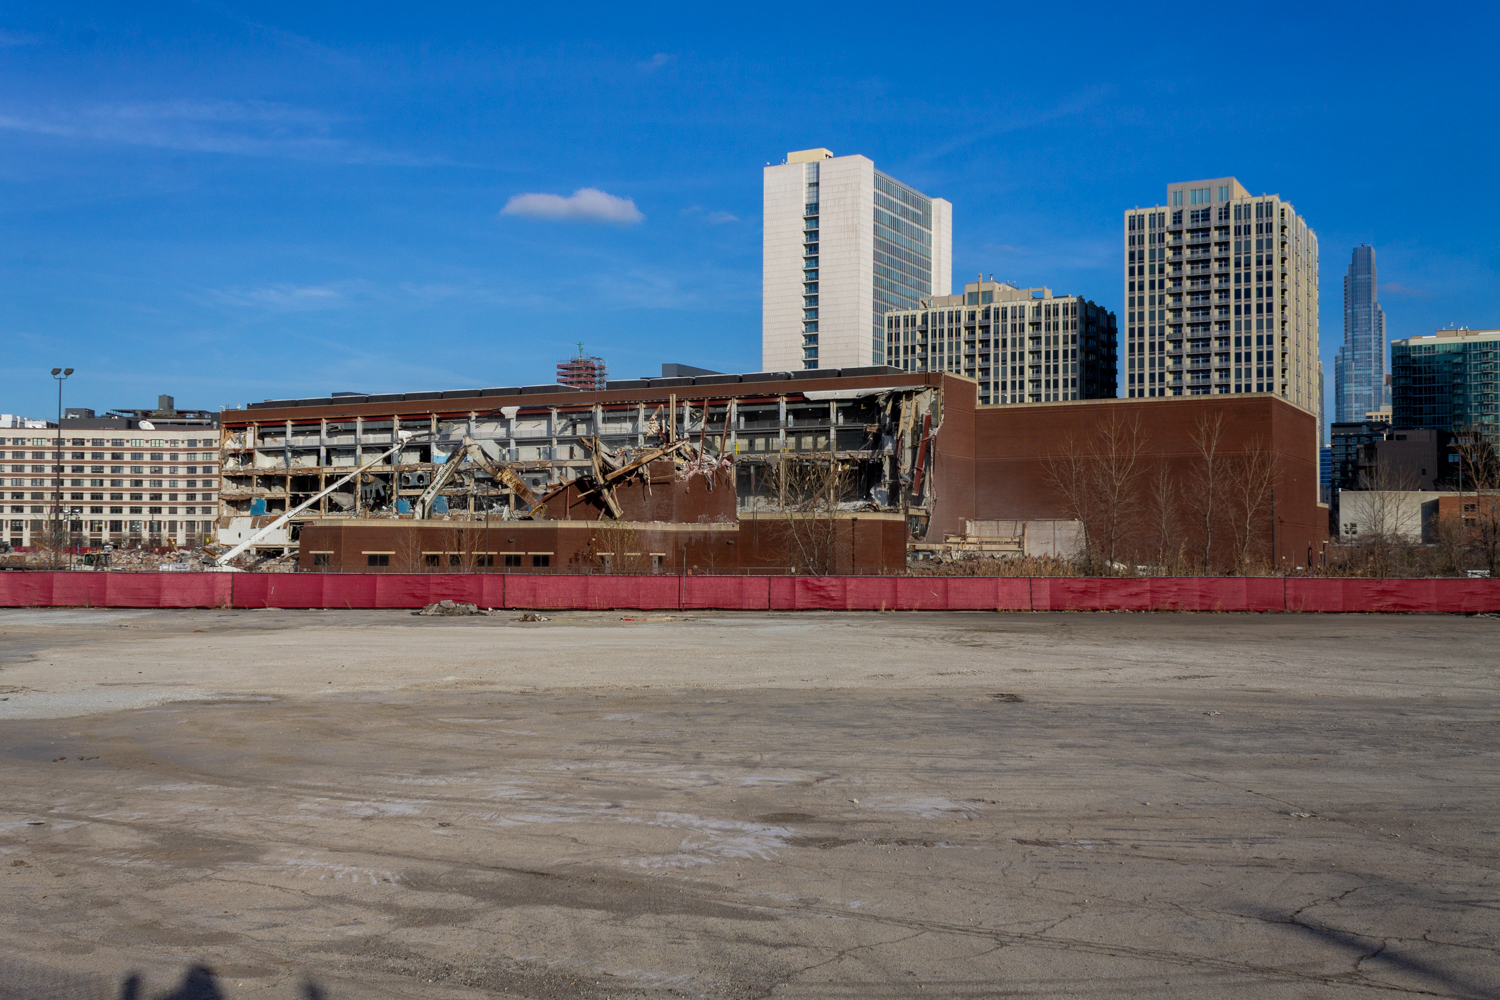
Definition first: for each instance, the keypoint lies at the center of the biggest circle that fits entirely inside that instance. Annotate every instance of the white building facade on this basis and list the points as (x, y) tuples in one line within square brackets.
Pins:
[(121, 485), (1221, 292), (843, 245)]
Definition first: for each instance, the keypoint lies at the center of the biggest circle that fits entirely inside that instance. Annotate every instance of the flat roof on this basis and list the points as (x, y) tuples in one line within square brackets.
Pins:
[(615, 392)]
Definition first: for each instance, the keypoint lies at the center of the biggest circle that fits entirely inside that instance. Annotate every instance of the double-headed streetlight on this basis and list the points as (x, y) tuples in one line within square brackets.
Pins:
[(57, 456)]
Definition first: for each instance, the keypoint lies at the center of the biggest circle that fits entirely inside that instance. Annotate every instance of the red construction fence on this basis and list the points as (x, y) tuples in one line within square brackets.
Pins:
[(746, 593)]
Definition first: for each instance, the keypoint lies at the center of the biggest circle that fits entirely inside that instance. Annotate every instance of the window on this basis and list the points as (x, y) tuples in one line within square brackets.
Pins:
[(541, 560), (430, 559), (485, 559), (513, 559), (377, 558), (1176, 198)]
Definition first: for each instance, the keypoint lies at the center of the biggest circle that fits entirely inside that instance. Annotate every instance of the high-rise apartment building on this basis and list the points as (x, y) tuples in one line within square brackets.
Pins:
[(1022, 345), (1448, 381), (1359, 372), (1221, 292), (843, 245)]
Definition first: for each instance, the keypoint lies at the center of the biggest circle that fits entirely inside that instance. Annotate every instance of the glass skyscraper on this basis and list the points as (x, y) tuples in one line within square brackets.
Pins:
[(1359, 373), (1448, 381)]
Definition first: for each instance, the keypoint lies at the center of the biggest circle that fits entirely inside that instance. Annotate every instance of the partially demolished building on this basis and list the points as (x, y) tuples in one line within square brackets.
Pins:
[(821, 474), (818, 471)]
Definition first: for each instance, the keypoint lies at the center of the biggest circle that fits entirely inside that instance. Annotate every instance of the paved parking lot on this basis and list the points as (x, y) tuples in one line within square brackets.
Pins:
[(368, 804)]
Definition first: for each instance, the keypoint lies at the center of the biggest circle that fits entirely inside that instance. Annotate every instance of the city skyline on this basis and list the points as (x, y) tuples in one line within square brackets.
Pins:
[(196, 198)]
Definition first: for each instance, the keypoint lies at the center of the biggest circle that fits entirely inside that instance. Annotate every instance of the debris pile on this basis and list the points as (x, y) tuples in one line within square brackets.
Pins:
[(532, 616), (449, 608)]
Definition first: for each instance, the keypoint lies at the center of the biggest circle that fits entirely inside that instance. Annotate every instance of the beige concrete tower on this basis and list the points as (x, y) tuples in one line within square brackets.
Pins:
[(843, 245), (1221, 292)]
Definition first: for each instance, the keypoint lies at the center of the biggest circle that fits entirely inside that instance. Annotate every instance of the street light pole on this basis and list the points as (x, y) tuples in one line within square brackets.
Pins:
[(57, 457)]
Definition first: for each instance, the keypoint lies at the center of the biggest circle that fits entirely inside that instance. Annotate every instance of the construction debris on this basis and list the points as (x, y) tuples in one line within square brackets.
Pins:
[(532, 616), (449, 609)]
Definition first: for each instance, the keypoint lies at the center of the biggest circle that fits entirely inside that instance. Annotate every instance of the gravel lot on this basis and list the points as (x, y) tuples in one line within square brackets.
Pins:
[(818, 805)]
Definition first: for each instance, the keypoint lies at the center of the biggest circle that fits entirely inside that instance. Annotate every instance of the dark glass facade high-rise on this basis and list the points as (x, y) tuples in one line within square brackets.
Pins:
[(1449, 381), (1359, 373)]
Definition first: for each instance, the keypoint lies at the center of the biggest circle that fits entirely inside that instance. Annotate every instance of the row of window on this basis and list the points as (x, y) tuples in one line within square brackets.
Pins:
[(118, 527), (513, 560), (18, 442)]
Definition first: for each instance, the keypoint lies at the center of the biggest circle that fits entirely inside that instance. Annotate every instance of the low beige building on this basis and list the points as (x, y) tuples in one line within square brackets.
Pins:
[(112, 480)]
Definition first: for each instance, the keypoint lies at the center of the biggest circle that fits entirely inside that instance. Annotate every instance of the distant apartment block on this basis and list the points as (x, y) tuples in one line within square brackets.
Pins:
[(843, 245), (1359, 372), (1022, 345), (130, 477), (1449, 380), (1221, 292)]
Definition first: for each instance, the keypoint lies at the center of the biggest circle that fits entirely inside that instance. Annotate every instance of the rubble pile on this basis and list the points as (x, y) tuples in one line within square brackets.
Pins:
[(449, 609)]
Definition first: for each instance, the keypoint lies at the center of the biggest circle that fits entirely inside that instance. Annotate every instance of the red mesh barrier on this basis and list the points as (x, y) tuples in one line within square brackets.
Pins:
[(26, 590), (783, 593), (314, 590), (597, 593), (84, 590), (735, 593), (183, 590)]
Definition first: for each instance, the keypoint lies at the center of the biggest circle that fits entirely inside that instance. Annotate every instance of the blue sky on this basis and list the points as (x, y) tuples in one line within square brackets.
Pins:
[(229, 203)]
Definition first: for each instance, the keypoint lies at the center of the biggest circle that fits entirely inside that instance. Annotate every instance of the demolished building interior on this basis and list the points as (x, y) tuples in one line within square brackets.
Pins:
[(693, 450)]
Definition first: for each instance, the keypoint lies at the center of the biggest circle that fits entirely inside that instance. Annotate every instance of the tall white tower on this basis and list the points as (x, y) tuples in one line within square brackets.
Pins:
[(843, 245)]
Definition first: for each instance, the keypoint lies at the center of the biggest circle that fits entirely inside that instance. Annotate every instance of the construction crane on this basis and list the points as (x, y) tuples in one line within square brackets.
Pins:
[(223, 560)]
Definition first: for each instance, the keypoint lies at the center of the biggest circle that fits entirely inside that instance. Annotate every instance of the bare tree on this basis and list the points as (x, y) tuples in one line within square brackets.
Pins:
[(1069, 476), (1116, 457), (1252, 482), (1162, 518), (808, 489), (1479, 498), (1208, 479), (617, 546), (1099, 486), (1383, 517)]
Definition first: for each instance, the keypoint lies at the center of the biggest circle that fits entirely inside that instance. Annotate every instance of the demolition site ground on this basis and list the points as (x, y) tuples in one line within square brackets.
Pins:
[(820, 805)]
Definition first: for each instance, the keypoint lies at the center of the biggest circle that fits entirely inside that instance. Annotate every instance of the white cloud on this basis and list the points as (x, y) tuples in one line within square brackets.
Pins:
[(1397, 288), (584, 205), (655, 63)]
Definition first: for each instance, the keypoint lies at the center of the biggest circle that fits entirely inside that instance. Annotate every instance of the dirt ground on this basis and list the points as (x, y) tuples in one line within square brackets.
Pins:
[(371, 804)]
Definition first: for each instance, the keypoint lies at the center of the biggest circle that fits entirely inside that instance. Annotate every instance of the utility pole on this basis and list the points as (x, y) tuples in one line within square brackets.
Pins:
[(57, 468)]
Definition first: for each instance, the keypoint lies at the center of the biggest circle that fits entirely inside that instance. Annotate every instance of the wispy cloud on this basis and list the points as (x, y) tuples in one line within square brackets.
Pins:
[(712, 218), (279, 297), (655, 63), (251, 128), (1396, 288), (583, 205), (10, 38), (1018, 121)]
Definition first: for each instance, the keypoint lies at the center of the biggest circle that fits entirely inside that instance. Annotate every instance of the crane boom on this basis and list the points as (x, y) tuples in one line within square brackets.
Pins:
[(223, 560)]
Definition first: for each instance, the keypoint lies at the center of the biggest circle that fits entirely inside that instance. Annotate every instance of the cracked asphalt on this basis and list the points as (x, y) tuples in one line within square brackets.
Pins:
[(368, 804)]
